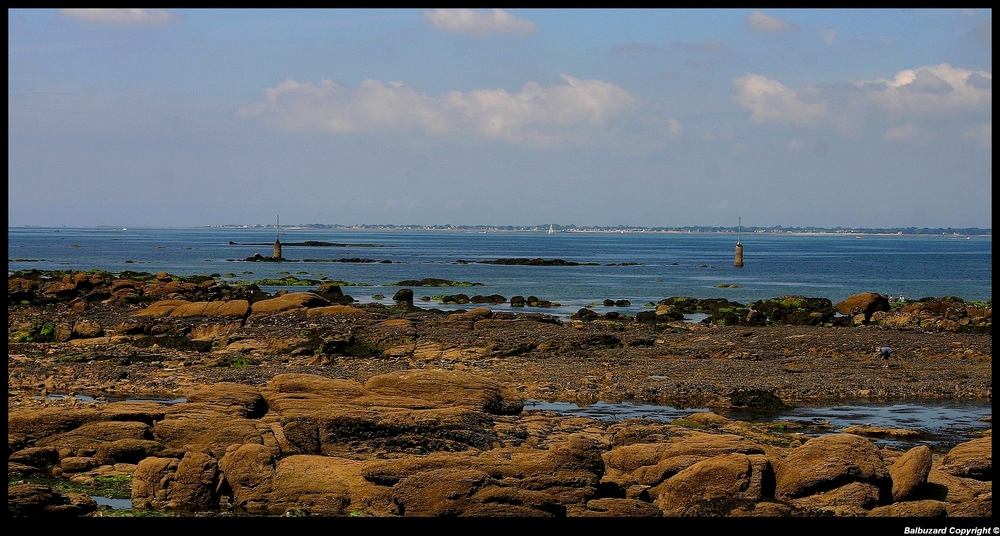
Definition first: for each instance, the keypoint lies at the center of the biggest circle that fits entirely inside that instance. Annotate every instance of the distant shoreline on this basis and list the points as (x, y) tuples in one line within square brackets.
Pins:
[(958, 233)]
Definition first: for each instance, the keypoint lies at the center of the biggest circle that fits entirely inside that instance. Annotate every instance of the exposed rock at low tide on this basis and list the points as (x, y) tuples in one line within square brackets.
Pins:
[(296, 404)]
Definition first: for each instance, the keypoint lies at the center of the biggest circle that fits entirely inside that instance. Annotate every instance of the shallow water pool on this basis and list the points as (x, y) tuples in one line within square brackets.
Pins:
[(941, 424)]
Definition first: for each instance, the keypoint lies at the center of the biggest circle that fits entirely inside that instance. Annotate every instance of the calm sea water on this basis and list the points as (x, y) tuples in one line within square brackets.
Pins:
[(639, 267)]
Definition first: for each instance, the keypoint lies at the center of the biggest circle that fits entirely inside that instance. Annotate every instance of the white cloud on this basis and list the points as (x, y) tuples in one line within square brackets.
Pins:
[(908, 133), (982, 133), (479, 22), (761, 22), (769, 100), (906, 107), (569, 112), (124, 17), (932, 91), (674, 126), (828, 36)]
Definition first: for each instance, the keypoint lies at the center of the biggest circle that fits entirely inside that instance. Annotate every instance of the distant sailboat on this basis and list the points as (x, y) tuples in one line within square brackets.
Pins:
[(551, 230)]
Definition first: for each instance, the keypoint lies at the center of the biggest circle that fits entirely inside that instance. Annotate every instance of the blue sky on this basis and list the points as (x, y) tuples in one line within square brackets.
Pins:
[(660, 118)]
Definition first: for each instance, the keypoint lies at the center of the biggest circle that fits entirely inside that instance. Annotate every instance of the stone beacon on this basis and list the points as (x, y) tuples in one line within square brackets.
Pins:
[(739, 246), (277, 241)]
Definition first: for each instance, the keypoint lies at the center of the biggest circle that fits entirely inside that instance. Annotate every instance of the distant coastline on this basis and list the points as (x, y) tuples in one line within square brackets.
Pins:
[(749, 230)]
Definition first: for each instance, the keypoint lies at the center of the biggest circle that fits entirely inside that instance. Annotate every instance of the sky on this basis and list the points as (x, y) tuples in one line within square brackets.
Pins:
[(875, 118)]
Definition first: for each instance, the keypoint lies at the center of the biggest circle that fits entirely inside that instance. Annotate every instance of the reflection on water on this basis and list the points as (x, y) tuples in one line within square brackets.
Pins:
[(115, 504), (940, 424), (106, 398)]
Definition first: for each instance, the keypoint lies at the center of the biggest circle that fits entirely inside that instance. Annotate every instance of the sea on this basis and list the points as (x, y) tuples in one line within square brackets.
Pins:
[(632, 269)]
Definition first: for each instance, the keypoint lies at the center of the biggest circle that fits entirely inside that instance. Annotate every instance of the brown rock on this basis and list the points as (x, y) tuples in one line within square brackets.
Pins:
[(865, 303), (27, 425), (711, 487), (448, 387), (851, 499), (292, 300), (651, 463), (39, 500), (339, 311), (910, 472), (87, 329), (923, 508), (830, 459), (198, 427), (972, 459), (610, 507), (162, 308)]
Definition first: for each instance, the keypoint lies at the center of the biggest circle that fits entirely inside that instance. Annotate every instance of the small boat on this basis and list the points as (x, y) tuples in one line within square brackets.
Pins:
[(551, 230)]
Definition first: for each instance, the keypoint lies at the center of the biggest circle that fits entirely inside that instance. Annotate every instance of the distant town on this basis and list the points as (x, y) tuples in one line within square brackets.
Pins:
[(555, 228)]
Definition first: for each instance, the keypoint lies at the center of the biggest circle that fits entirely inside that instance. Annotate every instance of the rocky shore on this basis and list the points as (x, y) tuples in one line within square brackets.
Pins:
[(305, 404)]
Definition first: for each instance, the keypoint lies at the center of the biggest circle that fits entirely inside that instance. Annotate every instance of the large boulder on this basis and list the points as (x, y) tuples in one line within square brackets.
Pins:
[(27, 425), (865, 303), (223, 308), (651, 461), (189, 483), (910, 472), (972, 459), (831, 461), (716, 486), (291, 300), (448, 387), (314, 485)]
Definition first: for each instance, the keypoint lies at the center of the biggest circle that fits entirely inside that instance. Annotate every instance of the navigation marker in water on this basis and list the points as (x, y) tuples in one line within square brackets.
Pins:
[(739, 246), (277, 240)]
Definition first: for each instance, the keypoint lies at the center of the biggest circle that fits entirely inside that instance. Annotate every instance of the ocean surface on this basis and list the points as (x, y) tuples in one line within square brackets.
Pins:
[(641, 267)]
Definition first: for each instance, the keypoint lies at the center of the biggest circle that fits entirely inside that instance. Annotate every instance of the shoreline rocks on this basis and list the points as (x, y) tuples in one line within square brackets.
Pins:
[(297, 404)]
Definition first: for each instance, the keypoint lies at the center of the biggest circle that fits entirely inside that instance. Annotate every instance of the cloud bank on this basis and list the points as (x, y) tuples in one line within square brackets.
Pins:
[(926, 94), (121, 17), (571, 112), (479, 22)]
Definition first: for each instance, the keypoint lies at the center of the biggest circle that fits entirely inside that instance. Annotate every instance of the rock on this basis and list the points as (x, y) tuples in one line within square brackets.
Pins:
[(614, 507), (715, 486), (852, 499), (87, 329), (316, 485), (865, 303), (651, 463), (448, 388), (910, 472), (828, 460), (221, 308), (40, 500), (162, 308), (972, 459), (291, 300), (927, 508), (189, 484), (403, 295)]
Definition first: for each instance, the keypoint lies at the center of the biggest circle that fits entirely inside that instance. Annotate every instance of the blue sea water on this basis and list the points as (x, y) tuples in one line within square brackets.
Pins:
[(641, 267)]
